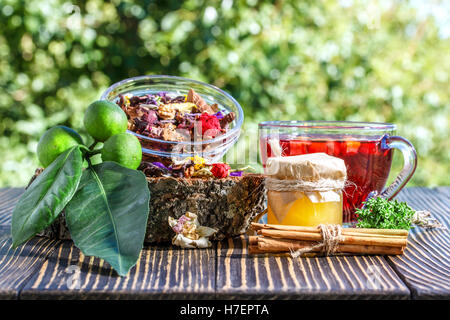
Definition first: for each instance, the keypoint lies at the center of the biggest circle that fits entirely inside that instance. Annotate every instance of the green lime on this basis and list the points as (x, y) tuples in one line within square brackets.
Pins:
[(103, 119), (123, 148), (55, 141)]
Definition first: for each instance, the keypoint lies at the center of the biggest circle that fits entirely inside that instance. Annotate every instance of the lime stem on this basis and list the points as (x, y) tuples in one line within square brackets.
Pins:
[(94, 152), (92, 146), (89, 162)]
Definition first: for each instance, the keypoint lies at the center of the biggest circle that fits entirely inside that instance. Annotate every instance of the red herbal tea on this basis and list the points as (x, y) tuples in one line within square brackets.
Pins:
[(365, 147), (368, 163)]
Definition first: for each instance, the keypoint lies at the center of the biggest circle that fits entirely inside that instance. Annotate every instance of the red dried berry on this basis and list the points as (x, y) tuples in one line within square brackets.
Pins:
[(210, 123), (220, 170)]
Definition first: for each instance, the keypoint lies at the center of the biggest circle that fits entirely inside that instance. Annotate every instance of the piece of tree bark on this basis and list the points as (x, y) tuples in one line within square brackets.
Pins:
[(228, 205)]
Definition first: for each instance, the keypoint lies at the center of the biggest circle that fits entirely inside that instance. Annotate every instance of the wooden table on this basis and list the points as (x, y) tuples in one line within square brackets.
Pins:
[(44, 268)]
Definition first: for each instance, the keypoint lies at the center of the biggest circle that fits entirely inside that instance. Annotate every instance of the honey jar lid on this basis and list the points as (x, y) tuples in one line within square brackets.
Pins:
[(313, 167)]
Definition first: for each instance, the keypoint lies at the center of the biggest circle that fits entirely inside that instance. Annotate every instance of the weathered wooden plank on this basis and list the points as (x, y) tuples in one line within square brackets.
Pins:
[(425, 264), (166, 273), (162, 272), (244, 276), (18, 265), (8, 200), (445, 192)]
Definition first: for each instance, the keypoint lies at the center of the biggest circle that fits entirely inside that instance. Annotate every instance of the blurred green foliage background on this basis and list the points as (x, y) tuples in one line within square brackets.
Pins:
[(368, 60)]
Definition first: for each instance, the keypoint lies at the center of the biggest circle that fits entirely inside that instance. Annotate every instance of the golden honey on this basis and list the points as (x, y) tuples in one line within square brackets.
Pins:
[(304, 212)]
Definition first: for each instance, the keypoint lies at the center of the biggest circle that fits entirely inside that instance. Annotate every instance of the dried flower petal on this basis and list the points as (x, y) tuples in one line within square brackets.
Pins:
[(152, 170), (169, 132), (189, 233), (215, 107), (228, 118), (185, 107), (201, 104), (203, 172), (178, 99), (205, 231), (166, 111), (150, 116), (135, 101), (219, 115), (199, 162), (160, 165)]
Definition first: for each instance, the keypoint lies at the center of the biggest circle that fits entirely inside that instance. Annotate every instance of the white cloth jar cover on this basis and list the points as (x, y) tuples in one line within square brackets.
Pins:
[(318, 176)]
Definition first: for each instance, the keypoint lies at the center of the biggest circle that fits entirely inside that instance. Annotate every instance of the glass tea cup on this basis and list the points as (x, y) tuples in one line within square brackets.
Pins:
[(365, 147)]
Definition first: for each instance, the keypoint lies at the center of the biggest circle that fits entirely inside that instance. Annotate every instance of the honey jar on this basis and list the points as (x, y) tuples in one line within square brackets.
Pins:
[(305, 190)]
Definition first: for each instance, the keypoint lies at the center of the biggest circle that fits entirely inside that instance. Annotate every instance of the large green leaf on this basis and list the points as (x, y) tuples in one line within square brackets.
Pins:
[(107, 217), (47, 196)]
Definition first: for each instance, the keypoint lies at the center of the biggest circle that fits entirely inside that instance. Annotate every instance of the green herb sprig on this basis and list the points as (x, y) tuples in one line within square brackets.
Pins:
[(380, 213)]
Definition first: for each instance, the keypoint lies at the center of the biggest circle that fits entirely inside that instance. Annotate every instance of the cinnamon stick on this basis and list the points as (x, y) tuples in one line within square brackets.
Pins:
[(391, 232), (253, 240), (255, 250), (376, 235), (283, 245), (361, 231), (346, 239)]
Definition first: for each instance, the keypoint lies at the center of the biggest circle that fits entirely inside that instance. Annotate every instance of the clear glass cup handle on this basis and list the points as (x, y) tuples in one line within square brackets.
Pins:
[(409, 165)]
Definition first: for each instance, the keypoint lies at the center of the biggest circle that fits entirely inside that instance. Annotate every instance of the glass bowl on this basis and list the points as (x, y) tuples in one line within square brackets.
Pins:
[(168, 151)]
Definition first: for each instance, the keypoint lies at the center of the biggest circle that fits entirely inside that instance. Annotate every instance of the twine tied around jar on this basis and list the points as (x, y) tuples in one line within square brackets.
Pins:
[(307, 186), (331, 237)]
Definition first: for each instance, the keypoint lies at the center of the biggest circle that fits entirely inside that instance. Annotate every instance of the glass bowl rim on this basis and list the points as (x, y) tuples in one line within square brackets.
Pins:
[(235, 130), (330, 125)]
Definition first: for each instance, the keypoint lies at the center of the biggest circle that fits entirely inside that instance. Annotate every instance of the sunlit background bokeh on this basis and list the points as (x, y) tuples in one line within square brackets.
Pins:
[(370, 60)]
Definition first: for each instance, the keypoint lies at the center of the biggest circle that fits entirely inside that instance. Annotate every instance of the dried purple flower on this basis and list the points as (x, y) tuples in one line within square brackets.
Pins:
[(236, 174), (164, 97), (219, 115), (152, 99), (152, 170), (160, 165)]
